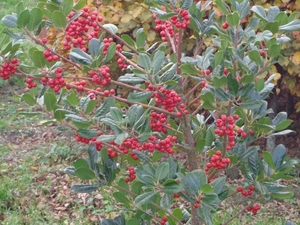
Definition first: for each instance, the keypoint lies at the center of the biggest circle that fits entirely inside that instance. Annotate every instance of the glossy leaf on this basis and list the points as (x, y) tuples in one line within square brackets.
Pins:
[(145, 198), (278, 155), (105, 107), (10, 20), (59, 19), (50, 101), (28, 98), (36, 16), (23, 18), (139, 96), (85, 188)]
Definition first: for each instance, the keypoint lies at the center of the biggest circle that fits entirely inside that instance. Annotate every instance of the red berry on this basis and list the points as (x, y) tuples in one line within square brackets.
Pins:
[(251, 188), (251, 132), (225, 25), (239, 189), (225, 71), (44, 40)]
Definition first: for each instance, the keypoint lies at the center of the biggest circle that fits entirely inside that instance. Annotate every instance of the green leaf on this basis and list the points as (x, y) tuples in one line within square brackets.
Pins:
[(50, 101), (78, 121), (193, 183), (145, 198), (274, 50), (23, 18), (81, 163), (283, 195), (80, 4), (272, 26), (106, 138), (38, 59), (85, 188), (219, 56), (110, 52), (283, 125), (87, 133), (59, 19), (134, 113), (278, 155), (222, 7), (84, 173), (79, 56), (72, 99), (162, 171), (201, 176), (166, 200), (111, 27), (140, 38), (252, 104), (255, 57), (218, 184), (116, 113), (145, 61), (120, 197), (209, 136), (233, 19), (233, 85), (157, 61), (222, 95), (36, 16), (205, 214), (186, 4), (128, 40), (268, 159), (67, 6), (139, 96), (28, 114), (90, 106), (10, 20), (70, 170), (260, 12), (28, 99), (280, 117), (172, 187), (105, 107), (291, 26), (94, 46), (93, 157), (207, 188)]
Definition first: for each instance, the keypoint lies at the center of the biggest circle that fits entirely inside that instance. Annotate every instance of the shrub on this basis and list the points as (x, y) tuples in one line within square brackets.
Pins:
[(207, 106)]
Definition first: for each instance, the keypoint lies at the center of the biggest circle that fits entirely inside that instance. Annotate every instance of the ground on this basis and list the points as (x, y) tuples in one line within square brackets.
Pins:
[(35, 190)]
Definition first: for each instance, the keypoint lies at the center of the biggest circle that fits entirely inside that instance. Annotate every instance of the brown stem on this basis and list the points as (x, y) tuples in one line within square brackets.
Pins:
[(235, 216)]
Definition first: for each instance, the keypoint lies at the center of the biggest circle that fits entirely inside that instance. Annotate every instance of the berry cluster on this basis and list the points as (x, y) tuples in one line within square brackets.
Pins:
[(165, 28), (120, 61), (131, 175), (82, 29), (245, 192), (243, 134), (254, 209), (55, 83), (92, 93), (196, 205), (216, 161), (182, 20), (167, 98), (163, 220), (263, 48), (50, 56), (153, 143), (30, 83), (80, 85), (225, 127), (9, 68), (101, 76), (93, 140), (158, 122)]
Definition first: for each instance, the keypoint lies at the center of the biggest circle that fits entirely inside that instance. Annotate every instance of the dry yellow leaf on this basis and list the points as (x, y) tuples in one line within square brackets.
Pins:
[(296, 58), (126, 18), (151, 35)]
